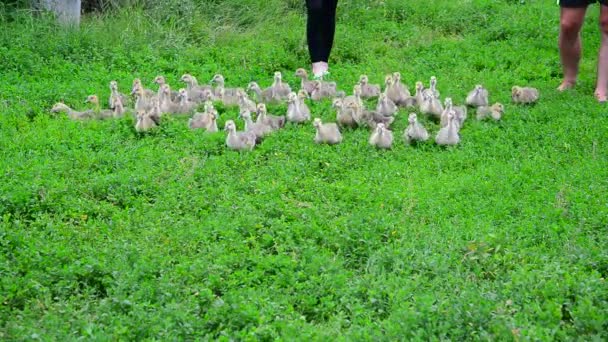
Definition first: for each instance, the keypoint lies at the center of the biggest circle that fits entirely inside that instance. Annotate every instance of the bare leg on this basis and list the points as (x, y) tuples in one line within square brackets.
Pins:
[(602, 64), (571, 21)]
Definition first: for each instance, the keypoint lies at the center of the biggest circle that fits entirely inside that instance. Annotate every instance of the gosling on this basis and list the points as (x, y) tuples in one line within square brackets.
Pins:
[(328, 133), (206, 121), (280, 88), (478, 97), (239, 141), (344, 114), (524, 95), (115, 93), (368, 90), (494, 111), (305, 84), (297, 111), (61, 107), (415, 132), (259, 129), (273, 121), (386, 106), (146, 121), (448, 135), (381, 137), (99, 113)]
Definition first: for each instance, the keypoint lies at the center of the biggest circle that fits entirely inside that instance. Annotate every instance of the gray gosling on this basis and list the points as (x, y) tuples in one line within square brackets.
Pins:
[(160, 80), (355, 97), (206, 120), (415, 132), (274, 121), (185, 105), (524, 95), (431, 106), (433, 88), (477, 97), (196, 92), (344, 115), (381, 137), (265, 95), (317, 91), (494, 111), (386, 106), (399, 92), (259, 129), (323, 90), (280, 89), (388, 85), (148, 93), (359, 113), (115, 93), (167, 105), (305, 84), (368, 90), (227, 95), (155, 111), (142, 98), (297, 111), (119, 108), (61, 107), (328, 133), (419, 93), (448, 135), (99, 113), (244, 102), (146, 121), (239, 141), (372, 119), (460, 113)]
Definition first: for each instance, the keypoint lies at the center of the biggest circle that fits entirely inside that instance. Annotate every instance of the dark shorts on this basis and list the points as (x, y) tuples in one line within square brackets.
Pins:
[(580, 3)]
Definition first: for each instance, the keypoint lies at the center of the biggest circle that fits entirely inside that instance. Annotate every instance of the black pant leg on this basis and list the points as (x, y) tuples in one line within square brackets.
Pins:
[(320, 28), (330, 25)]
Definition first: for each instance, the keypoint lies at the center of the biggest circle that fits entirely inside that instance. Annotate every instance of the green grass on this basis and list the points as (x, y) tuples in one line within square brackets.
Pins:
[(108, 234)]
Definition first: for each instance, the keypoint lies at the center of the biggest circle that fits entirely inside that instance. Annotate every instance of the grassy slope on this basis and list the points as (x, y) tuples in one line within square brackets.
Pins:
[(107, 233)]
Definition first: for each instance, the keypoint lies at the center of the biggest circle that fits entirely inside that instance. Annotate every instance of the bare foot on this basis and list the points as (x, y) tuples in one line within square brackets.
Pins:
[(566, 85), (601, 97)]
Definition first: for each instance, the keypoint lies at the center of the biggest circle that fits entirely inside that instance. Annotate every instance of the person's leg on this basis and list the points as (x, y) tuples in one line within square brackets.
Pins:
[(314, 33), (330, 27), (601, 88), (571, 21)]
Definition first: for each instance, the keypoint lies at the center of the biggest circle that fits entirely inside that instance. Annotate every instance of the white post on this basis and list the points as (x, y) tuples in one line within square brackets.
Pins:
[(67, 11)]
